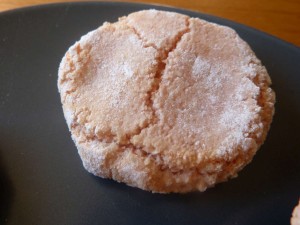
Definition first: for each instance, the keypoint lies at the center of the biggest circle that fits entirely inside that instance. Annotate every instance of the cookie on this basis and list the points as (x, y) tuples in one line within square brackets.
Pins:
[(295, 220), (165, 102)]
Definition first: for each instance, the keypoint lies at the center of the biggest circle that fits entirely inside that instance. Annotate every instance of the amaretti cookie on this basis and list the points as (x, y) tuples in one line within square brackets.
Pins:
[(295, 220), (165, 102)]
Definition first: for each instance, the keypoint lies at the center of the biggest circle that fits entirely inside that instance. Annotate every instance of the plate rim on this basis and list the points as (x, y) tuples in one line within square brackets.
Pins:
[(166, 7)]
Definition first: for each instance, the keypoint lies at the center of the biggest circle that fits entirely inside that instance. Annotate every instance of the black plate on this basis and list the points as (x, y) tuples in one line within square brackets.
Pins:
[(42, 180)]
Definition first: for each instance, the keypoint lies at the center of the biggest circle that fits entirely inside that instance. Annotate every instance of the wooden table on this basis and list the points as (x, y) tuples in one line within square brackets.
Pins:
[(280, 18)]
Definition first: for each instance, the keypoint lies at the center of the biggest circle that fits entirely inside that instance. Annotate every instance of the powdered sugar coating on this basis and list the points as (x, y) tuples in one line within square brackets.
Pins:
[(169, 108)]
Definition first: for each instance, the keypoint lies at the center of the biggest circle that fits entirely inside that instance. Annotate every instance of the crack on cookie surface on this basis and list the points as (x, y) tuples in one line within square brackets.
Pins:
[(161, 65), (146, 43), (161, 68)]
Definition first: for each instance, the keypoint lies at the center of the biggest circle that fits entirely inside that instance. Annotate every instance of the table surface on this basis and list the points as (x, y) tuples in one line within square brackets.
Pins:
[(280, 18)]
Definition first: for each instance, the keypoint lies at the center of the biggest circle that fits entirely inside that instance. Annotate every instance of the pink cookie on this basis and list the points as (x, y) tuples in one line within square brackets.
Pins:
[(165, 102)]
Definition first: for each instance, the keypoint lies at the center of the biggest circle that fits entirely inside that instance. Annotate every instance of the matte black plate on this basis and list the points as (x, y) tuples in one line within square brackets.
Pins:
[(42, 180)]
